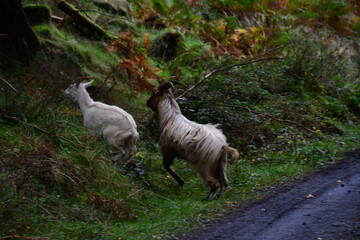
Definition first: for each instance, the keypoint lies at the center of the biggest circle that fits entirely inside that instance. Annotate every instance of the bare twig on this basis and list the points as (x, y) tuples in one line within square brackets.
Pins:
[(20, 121), (108, 76), (273, 50), (22, 237), (10, 236), (254, 59), (11, 86), (158, 195), (134, 192), (222, 69), (40, 129)]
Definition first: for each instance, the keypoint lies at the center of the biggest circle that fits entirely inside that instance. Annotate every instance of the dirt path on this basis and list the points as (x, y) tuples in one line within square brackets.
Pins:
[(324, 206)]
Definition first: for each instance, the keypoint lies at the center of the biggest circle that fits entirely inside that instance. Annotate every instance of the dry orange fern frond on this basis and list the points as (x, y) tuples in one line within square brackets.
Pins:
[(135, 63)]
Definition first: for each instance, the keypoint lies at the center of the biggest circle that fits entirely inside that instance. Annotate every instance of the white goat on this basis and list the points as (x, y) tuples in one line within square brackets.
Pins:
[(113, 123), (203, 146)]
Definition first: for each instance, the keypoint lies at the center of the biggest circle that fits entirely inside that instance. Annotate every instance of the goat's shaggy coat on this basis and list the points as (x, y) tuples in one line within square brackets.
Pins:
[(111, 122), (203, 146)]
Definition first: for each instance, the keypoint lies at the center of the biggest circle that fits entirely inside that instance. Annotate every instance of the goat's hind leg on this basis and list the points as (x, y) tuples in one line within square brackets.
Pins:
[(117, 159), (130, 150), (222, 190), (221, 173), (213, 188), (223, 183), (126, 149)]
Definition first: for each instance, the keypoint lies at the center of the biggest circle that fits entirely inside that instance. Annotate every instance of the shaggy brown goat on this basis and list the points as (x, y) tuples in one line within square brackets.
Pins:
[(202, 145)]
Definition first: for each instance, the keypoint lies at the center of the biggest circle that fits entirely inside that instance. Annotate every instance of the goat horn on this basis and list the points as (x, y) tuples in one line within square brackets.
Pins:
[(179, 83), (77, 82), (165, 86), (80, 80)]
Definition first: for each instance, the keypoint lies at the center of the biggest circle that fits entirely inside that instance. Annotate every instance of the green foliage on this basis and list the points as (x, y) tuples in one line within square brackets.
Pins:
[(286, 115), (240, 4), (309, 79), (37, 13), (42, 30), (331, 10)]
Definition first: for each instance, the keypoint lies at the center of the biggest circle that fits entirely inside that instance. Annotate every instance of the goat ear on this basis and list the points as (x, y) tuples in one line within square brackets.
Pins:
[(165, 86), (88, 83), (76, 83), (155, 90)]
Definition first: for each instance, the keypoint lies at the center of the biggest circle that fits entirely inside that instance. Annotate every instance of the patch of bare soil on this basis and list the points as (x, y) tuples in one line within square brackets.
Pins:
[(324, 206)]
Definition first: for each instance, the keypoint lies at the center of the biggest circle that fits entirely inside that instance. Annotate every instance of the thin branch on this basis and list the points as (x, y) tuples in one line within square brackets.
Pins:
[(222, 69), (40, 129), (20, 121), (108, 15), (22, 237), (11, 86), (255, 59), (268, 116), (273, 49), (10, 236), (133, 193)]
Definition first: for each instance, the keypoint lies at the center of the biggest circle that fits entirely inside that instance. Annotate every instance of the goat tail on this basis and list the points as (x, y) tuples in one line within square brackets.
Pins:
[(221, 166), (233, 152)]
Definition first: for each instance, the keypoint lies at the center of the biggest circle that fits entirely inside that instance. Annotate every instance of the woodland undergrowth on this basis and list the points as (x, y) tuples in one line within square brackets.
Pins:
[(281, 78)]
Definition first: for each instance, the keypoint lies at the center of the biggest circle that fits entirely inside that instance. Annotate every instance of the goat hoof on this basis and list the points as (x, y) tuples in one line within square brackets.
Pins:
[(210, 196), (180, 181), (220, 195), (181, 184)]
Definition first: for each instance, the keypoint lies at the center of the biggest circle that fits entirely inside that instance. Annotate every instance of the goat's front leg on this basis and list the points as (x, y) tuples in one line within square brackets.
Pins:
[(123, 156), (168, 158)]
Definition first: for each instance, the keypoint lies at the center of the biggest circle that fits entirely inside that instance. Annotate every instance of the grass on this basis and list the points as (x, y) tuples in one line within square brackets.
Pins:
[(58, 181), (159, 208), (62, 205)]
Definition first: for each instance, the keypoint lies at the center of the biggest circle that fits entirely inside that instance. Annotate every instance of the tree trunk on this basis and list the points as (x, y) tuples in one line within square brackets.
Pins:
[(17, 40)]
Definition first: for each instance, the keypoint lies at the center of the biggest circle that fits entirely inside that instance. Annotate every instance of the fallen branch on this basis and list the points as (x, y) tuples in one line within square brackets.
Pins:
[(101, 13), (80, 18), (268, 116), (223, 69)]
